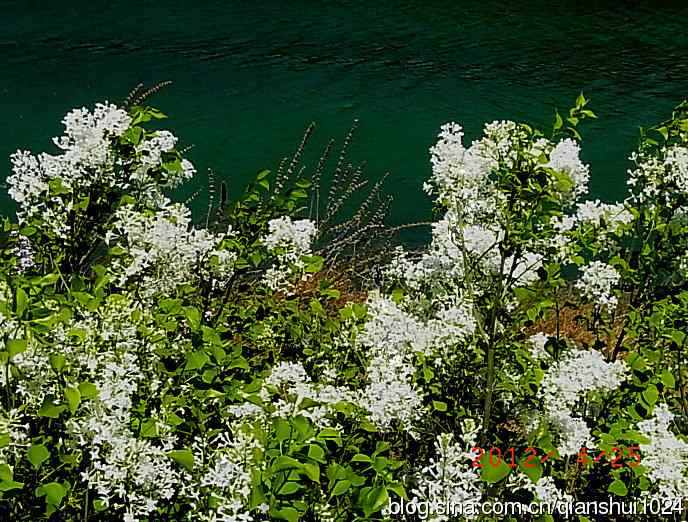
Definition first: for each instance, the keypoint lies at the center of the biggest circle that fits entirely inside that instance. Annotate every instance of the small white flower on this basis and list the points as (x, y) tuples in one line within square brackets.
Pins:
[(293, 235), (538, 342), (565, 157), (597, 283)]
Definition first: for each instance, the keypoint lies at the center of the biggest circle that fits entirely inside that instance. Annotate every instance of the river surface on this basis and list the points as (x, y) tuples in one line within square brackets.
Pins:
[(249, 76)]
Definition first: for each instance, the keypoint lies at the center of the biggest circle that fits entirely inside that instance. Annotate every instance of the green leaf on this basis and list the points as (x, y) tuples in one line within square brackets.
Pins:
[(316, 307), (398, 489), (533, 470), (651, 394), (283, 462), (316, 453), (493, 474), (57, 362), (376, 499), (330, 434), (312, 471), (668, 379), (132, 135), (149, 429), (340, 488), (53, 492), (22, 302), (73, 397), (282, 430), (15, 346), (99, 505), (574, 132), (183, 457), (558, 122), (193, 317), (287, 513), (7, 485), (196, 360), (88, 390), (439, 405), (51, 409), (360, 457), (289, 488), (5, 472), (618, 488), (314, 264), (37, 455), (57, 188), (637, 362)]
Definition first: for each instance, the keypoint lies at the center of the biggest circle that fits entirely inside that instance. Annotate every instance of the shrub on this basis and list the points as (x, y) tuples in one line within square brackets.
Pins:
[(155, 369)]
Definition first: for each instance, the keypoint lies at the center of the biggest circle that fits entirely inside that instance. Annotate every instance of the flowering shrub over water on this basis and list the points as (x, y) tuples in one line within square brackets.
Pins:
[(153, 369)]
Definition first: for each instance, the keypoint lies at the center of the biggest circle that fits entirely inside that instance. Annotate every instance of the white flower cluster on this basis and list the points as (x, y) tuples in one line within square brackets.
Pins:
[(15, 428), (442, 268), (291, 240), (86, 138), (602, 218), (33, 368), (461, 177), (597, 283), (676, 162), (127, 472), (570, 381), (165, 250), (88, 161), (538, 342), (297, 394), (665, 456), (135, 476), (659, 178), (544, 491), (151, 153), (565, 157), (390, 394), (392, 337), (464, 182), (598, 213), (294, 236), (449, 479), (439, 267), (27, 181), (24, 253), (483, 243), (459, 174), (228, 476)]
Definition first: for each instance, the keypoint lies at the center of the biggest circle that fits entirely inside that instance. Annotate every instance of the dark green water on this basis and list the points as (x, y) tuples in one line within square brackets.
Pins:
[(248, 77)]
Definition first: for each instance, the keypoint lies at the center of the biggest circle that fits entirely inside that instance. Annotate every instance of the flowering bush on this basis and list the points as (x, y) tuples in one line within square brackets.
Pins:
[(153, 369)]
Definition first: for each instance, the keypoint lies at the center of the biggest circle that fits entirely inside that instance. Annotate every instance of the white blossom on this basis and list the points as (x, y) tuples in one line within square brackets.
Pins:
[(596, 212), (165, 249), (545, 490), (449, 479), (538, 342), (569, 381), (565, 158), (597, 283), (295, 236), (665, 455)]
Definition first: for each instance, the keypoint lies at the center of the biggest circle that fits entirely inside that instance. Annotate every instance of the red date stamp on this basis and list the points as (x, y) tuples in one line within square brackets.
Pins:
[(530, 457)]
